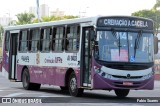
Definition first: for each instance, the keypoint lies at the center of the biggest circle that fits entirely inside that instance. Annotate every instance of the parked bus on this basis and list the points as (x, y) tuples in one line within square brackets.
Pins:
[(104, 52)]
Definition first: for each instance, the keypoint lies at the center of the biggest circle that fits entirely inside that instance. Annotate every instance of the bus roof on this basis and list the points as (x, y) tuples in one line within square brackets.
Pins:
[(52, 23), (66, 21)]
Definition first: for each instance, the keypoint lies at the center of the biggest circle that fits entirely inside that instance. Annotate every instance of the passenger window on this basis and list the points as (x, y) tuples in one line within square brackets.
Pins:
[(46, 35), (7, 41), (23, 40), (58, 39), (72, 38), (35, 37)]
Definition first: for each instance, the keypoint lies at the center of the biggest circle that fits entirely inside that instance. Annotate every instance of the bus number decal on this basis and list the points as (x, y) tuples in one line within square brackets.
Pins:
[(71, 58), (25, 58)]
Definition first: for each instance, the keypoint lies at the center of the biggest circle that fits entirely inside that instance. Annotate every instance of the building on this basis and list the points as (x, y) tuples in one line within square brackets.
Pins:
[(32, 10), (5, 21), (57, 13), (44, 10)]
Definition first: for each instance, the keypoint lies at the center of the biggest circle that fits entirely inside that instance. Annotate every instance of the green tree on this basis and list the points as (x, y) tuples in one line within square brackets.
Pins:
[(46, 19), (12, 23), (54, 18), (70, 17), (1, 32), (156, 5), (24, 18), (151, 14)]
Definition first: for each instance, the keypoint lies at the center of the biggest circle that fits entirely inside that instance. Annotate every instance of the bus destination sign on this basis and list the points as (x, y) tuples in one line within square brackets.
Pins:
[(125, 22)]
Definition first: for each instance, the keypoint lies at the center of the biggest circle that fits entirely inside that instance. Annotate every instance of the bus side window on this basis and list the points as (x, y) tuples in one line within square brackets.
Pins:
[(72, 38), (29, 40), (50, 39), (78, 38), (7, 41), (23, 41), (58, 38), (41, 39), (45, 39), (35, 35), (53, 39)]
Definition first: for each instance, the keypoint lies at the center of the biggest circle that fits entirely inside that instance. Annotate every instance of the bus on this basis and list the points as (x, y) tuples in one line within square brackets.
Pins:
[(96, 53)]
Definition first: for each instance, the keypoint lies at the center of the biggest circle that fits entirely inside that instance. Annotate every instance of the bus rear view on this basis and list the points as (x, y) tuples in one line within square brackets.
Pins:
[(124, 54)]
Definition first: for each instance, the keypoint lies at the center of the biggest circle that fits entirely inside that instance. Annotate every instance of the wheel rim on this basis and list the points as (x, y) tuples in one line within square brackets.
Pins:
[(73, 84)]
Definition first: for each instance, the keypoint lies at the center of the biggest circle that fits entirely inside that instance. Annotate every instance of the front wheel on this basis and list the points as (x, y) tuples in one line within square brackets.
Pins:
[(73, 90), (26, 81), (122, 92)]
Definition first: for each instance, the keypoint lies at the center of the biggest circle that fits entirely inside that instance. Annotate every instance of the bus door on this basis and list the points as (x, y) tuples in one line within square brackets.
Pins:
[(13, 54), (85, 62)]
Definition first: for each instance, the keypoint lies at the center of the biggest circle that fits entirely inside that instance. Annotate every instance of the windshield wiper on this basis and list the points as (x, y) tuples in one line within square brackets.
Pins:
[(137, 42), (117, 39)]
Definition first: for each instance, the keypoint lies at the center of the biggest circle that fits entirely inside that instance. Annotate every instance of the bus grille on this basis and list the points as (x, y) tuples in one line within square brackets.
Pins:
[(125, 77)]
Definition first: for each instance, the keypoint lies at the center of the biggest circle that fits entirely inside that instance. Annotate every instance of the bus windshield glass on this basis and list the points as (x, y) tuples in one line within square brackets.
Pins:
[(119, 46)]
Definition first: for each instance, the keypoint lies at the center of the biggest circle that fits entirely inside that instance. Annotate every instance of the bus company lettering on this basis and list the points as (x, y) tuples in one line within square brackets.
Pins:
[(25, 58), (53, 60), (72, 58), (127, 23)]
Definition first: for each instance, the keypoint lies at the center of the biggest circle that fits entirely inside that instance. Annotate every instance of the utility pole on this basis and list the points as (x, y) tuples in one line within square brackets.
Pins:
[(37, 2)]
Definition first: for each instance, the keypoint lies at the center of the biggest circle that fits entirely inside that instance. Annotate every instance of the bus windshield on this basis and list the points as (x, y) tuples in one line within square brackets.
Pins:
[(119, 46)]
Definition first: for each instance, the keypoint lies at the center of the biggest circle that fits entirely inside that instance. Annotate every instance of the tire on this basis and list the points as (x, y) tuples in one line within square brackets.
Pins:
[(26, 81), (121, 93), (72, 86)]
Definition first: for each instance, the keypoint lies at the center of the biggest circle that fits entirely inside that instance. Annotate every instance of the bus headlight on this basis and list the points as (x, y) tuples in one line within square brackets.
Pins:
[(108, 76), (102, 73), (145, 77), (148, 76)]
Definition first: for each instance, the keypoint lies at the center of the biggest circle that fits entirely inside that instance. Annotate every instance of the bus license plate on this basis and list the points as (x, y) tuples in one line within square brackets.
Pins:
[(127, 83)]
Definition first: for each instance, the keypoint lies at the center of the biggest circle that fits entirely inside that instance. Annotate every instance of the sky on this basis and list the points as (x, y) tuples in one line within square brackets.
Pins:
[(78, 7)]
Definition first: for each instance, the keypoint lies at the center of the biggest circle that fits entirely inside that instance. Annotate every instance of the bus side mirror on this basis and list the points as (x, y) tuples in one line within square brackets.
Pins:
[(92, 35), (155, 45)]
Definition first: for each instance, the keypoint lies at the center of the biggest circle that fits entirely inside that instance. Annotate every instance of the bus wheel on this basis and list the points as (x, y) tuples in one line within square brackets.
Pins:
[(73, 90), (26, 81), (121, 92)]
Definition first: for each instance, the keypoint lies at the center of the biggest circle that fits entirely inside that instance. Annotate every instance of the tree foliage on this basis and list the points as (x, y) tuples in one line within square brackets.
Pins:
[(1, 32), (157, 4), (70, 16), (28, 18), (54, 18), (24, 18), (153, 14)]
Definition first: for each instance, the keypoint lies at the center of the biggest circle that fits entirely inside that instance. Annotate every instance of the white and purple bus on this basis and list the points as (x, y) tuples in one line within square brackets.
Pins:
[(104, 52)]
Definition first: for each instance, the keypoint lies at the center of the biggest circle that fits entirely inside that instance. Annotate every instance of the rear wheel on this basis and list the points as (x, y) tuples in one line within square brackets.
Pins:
[(72, 85), (122, 92), (26, 81)]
